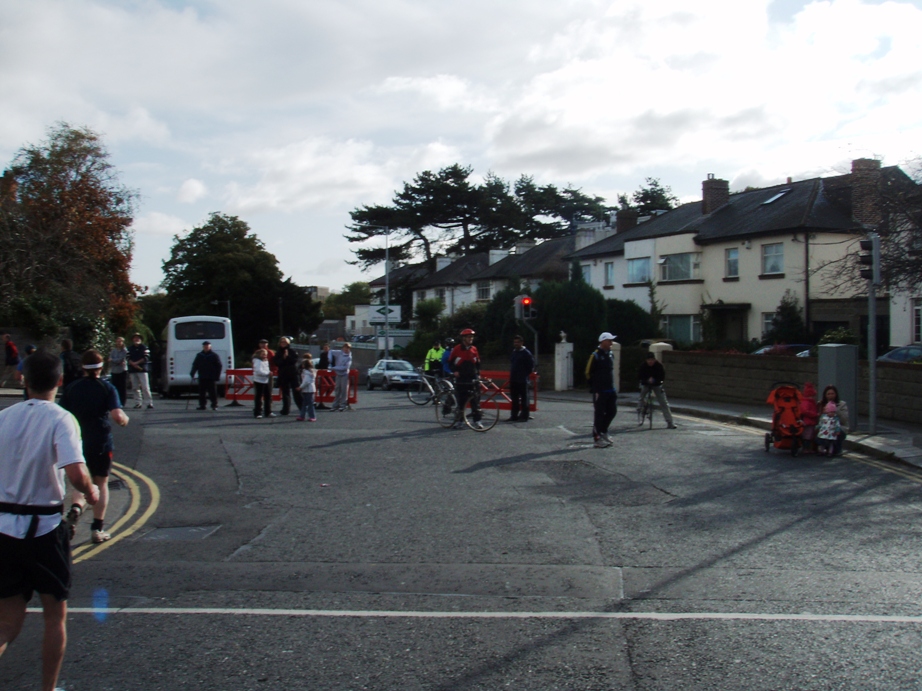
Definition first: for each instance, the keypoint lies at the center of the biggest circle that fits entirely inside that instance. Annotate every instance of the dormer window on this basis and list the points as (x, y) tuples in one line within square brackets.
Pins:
[(776, 197)]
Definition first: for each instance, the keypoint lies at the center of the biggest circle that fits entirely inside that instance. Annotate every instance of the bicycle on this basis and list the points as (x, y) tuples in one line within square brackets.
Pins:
[(427, 389), (645, 406), (486, 393)]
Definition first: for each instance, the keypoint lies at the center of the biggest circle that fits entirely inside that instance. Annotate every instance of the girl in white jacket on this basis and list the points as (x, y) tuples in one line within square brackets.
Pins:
[(262, 380), (307, 389)]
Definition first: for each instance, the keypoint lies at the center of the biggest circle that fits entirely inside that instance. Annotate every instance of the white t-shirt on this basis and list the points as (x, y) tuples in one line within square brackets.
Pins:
[(37, 439)]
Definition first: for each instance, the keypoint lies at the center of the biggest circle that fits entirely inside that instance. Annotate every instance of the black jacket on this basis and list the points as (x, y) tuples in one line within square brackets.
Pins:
[(602, 371), (656, 370), (287, 362), (521, 365), (208, 365)]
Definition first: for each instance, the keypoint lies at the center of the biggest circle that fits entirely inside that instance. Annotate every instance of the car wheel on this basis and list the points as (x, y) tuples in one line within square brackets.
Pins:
[(369, 385), (386, 385)]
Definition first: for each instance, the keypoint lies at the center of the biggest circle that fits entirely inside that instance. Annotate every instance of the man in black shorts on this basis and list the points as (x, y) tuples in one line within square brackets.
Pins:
[(39, 445), (93, 402)]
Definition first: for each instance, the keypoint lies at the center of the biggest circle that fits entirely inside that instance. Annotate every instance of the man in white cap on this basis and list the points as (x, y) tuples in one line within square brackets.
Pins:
[(601, 373)]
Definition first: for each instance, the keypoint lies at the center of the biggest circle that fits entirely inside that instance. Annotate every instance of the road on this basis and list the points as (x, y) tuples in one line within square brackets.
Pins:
[(375, 550)]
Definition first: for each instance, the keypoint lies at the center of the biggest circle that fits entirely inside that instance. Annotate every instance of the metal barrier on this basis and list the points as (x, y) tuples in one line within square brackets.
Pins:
[(239, 386), (503, 401)]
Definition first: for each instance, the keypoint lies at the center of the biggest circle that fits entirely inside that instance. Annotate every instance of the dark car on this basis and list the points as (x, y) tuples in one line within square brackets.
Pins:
[(391, 373), (911, 353)]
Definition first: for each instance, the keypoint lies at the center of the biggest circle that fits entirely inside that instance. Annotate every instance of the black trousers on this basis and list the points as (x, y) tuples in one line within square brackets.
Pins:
[(605, 405), (288, 391), (518, 391), (120, 382), (262, 399), (209, 388)]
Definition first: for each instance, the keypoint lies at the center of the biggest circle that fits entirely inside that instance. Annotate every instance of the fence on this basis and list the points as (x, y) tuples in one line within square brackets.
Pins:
[(239, 386)]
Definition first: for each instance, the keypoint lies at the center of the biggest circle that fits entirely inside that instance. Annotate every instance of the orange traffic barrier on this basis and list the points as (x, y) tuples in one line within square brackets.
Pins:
[(502, 399), (239, 386)]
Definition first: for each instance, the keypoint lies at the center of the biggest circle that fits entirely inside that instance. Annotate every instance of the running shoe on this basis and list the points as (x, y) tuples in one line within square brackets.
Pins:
[(100, 536), (72, 518)]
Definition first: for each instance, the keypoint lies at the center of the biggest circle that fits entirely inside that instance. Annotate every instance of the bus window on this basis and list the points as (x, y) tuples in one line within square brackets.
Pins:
[(197, 331)]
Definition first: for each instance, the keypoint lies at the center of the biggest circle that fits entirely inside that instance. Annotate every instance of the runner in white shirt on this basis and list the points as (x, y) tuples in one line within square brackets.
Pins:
[(39, 445)]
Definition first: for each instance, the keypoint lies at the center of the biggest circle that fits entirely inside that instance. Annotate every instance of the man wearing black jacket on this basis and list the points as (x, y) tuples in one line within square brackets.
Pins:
[(652, 376), (601, 370), (208, 366), (286, 360), (520, 368)]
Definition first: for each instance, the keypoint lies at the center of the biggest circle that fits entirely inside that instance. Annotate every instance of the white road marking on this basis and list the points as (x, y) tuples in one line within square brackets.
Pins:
[(393, 614)]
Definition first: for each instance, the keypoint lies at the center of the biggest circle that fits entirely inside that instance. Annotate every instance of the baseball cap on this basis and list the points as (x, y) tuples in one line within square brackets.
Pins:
[(606, 336), (206, 342)]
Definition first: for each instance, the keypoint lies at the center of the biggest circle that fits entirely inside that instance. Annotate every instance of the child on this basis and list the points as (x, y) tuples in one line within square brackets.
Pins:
[(307, 389), (262, 378), (828, 430), (810, 416)]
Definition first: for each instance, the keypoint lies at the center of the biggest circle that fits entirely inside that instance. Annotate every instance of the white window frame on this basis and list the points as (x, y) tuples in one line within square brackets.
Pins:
[(634, 272), (483, 291), (732, 262), (769, 252), (609, 274), (420, 294), (670, 265), (440, 294), (587, 273), (767, 319), (668, 326)]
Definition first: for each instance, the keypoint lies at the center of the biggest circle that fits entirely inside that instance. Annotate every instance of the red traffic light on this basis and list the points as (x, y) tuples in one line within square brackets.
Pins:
[(526, 301)]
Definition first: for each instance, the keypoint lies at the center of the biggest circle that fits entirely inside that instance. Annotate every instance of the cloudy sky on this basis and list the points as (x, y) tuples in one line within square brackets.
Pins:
[(290, 113)]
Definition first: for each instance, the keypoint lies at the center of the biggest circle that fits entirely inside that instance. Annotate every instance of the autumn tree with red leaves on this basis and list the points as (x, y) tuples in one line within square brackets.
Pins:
[(65, 238)]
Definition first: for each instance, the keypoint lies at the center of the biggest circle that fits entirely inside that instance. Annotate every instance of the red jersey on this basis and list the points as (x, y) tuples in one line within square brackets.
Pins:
[(465, 361)]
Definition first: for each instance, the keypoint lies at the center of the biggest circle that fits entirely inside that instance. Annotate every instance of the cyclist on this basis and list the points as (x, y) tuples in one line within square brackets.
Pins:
[(446, 357), (465, 366), (434, 359), (652, 376)]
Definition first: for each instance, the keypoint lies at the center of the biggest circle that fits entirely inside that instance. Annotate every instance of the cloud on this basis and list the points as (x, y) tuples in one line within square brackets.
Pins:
[(156, 223), (191, 191)]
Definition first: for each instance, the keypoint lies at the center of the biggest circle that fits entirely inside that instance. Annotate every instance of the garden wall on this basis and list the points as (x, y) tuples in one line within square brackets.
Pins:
[(747, 379)]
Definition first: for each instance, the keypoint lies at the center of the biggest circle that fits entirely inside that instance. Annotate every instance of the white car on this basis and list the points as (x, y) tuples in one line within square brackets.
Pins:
[(391, 373)]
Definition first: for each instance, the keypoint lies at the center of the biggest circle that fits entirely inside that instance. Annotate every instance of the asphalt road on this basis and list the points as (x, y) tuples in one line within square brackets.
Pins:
[(375, 550)]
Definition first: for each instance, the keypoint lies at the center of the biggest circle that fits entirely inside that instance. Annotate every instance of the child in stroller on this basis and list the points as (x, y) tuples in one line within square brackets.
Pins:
[(787, 423)]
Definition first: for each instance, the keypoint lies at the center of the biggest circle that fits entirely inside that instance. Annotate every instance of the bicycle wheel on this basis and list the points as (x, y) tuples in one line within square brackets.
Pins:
[(650, 409), (641, 412), (488, 417), (446, 409), (420, 393)]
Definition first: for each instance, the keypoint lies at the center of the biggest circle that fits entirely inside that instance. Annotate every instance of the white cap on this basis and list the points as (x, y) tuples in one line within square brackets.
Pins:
[(605, 336)]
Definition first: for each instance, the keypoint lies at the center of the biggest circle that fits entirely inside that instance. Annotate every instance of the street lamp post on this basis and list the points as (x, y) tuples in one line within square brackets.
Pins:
[(387, 286)]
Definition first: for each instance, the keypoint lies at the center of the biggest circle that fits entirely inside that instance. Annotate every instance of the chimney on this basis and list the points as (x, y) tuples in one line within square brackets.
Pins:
[(865, 183), (714, 194), (625, 219), (442, 262), (495, 255)]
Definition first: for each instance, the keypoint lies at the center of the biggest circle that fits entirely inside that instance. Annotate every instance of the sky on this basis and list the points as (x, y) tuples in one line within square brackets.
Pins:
[(291, 113)]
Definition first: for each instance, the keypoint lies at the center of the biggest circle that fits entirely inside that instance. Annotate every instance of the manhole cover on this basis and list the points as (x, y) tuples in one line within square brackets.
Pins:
[(192, 532), (116, 484)]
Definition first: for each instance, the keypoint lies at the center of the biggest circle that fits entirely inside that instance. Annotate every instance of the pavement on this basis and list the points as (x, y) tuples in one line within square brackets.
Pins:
[(893, 440)]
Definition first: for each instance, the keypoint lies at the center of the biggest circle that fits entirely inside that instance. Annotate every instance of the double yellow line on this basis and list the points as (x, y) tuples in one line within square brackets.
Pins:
[(131, 521)]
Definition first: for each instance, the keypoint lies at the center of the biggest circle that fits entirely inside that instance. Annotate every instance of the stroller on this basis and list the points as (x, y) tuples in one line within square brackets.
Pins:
[(787, 423)]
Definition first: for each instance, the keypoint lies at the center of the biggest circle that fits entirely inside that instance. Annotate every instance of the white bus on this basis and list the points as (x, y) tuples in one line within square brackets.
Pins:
[(182, 339)]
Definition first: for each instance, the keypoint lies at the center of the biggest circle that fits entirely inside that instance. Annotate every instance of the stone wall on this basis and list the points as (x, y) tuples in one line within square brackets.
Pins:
[(747, 379)]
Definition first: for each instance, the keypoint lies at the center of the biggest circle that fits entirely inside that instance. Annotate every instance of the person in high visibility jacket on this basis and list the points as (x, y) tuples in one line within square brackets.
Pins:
[(434, 359)]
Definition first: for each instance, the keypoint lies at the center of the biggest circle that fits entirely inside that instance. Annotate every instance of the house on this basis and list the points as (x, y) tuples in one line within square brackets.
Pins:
[(451, 282), (530, 263), (733, 257)]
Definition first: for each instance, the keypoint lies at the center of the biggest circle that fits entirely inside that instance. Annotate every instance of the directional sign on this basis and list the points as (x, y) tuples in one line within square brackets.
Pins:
[(385, 310)]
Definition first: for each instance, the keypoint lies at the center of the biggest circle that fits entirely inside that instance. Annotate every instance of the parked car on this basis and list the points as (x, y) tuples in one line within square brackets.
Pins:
[(911, 353), (785, 349), (391, 373)]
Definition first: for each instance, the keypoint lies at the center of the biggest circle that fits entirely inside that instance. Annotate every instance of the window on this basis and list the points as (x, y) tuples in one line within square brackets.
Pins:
[(776, 197), (679, 267), (767, 319), (440, 294), (773, 258), (609, 273), (684, 328), (638, 270), (587, 273), (197, 331), (420, 294), (917, 322), (732, 263), (483, 290)]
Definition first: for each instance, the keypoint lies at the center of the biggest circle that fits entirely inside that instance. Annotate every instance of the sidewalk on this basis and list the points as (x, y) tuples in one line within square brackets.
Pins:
[(895, 441)]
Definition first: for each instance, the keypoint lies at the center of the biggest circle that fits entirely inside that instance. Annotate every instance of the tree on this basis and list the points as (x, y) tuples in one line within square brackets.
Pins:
[(653, 197), (338, 305), (445, 212), (65, 231), (576, 308), (901, 232), (788, 323), (427, 314), (220, 262)]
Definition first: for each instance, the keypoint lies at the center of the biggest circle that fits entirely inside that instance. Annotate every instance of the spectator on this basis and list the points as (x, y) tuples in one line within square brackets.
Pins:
[(601, 371), (138, 365), (208, 366), (322, 383), (434, 359), (71, 363), (39, 446), (307, 389), (11, 361), (341, 363), (262, 381), (118, 369), (831, 395), (286, 360), (465, 366), (22, 361), (520, 368)]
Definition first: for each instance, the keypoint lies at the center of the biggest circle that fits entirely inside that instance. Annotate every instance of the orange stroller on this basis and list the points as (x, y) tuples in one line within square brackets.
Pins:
[(787, 423)]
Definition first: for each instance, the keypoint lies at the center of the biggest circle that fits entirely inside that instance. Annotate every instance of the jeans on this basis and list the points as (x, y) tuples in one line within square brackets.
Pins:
[(307, 405)]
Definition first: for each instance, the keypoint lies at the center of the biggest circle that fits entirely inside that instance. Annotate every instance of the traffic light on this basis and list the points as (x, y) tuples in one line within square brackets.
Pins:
[(869, 258), (524, 308)]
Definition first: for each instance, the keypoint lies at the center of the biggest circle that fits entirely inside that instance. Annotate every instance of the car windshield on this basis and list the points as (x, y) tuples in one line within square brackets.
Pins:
[(399, 366)]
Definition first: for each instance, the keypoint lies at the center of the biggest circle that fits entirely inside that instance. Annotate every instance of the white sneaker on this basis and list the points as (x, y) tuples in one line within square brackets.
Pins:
[(607, 439), (600, 443), (100, 536), (478, 425)]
